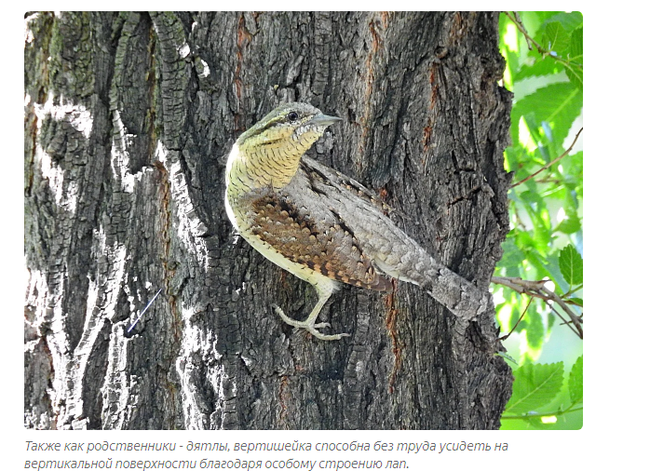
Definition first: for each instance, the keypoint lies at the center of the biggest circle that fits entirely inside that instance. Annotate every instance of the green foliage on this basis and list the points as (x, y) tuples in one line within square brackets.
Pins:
[(543, 52), (571, 265), (575, 382), (542, 398), (548, 114), (535, 386)]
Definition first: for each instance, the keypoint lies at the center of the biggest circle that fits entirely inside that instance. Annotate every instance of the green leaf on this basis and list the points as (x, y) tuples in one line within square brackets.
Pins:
[(550, 321), (547, 66), (575, 381), (546, 208), (555, 273), (569, 21), (575, 49), (556, 39), (507, 357), (577, 301), (512, 255), (535, 386), (572, 174), (534, 329), (574, 68), (570, 225), (514, 317), (571, 265), (558, 104), (539, 216)]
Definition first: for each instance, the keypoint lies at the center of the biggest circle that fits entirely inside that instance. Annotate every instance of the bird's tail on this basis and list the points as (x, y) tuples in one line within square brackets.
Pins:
[(462, 297)]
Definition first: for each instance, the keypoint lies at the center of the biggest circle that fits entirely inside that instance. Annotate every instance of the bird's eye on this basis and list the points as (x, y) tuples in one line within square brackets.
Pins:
[(292, 116)]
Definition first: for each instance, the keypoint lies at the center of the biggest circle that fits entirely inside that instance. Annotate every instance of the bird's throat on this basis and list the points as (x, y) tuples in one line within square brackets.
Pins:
[(264, 167)]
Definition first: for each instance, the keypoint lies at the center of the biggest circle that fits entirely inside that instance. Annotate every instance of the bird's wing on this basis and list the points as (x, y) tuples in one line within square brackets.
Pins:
[(320, 174), (391, 251), (313, 235)]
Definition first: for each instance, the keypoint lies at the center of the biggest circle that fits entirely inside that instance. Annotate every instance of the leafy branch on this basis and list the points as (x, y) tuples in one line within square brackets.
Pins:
[(537, 387), (544, 69), (570, 64), (551, 163), (538, 289)]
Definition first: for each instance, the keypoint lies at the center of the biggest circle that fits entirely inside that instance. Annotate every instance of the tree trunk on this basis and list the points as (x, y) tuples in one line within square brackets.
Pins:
[(129, 119)]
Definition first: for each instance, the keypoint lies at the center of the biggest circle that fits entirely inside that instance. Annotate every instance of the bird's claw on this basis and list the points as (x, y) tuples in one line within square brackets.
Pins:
[(309, 325)]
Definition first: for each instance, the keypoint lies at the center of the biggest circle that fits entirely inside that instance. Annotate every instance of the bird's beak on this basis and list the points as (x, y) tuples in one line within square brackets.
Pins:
[(324, 120)]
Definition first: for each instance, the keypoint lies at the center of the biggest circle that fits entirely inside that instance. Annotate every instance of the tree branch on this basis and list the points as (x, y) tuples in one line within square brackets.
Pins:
[(530, 300), (537, 289), (550, 164)]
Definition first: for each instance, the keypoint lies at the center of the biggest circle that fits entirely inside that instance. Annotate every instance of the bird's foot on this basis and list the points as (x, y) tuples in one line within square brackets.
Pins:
[(309, 325)]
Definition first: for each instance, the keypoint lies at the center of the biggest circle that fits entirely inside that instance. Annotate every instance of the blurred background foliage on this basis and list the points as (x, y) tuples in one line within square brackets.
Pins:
[(538, 283)]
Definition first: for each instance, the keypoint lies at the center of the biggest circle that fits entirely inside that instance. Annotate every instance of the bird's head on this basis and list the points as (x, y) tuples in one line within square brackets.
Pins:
[(268, 154), (291, 128)]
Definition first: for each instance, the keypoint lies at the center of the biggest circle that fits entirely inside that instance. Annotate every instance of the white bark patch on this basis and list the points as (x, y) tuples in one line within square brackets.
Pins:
[(189, 228), (81, 120)]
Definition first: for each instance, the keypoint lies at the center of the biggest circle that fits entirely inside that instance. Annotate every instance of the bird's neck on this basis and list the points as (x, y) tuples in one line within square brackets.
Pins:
[(271, 165)]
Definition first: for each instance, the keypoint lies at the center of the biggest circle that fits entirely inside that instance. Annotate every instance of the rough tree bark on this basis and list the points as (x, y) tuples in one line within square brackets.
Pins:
[(129, 118)]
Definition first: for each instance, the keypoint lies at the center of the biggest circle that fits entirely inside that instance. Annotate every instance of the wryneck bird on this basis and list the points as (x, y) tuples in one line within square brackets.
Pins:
[(322, 226)]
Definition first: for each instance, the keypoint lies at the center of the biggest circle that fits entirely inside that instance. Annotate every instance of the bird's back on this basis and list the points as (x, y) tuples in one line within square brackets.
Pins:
[(391, 251)]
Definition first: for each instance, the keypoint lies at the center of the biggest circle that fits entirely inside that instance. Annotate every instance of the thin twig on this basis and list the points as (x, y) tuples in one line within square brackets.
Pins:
[(520, 24), (530, 300), (569, 324), (553, 162), (575, 320), (537, 289)]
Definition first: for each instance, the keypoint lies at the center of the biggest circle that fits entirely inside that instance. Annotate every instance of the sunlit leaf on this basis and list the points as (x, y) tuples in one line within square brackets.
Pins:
[(575, 381), (545, 205), (535, 386), (571, 265), (505, 356), (512, 256), (556, 39), (535, 331), (569, 21), (559, 104), (555, 273), (577, 301), (574, 69), (547, 66), (569, 225)]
